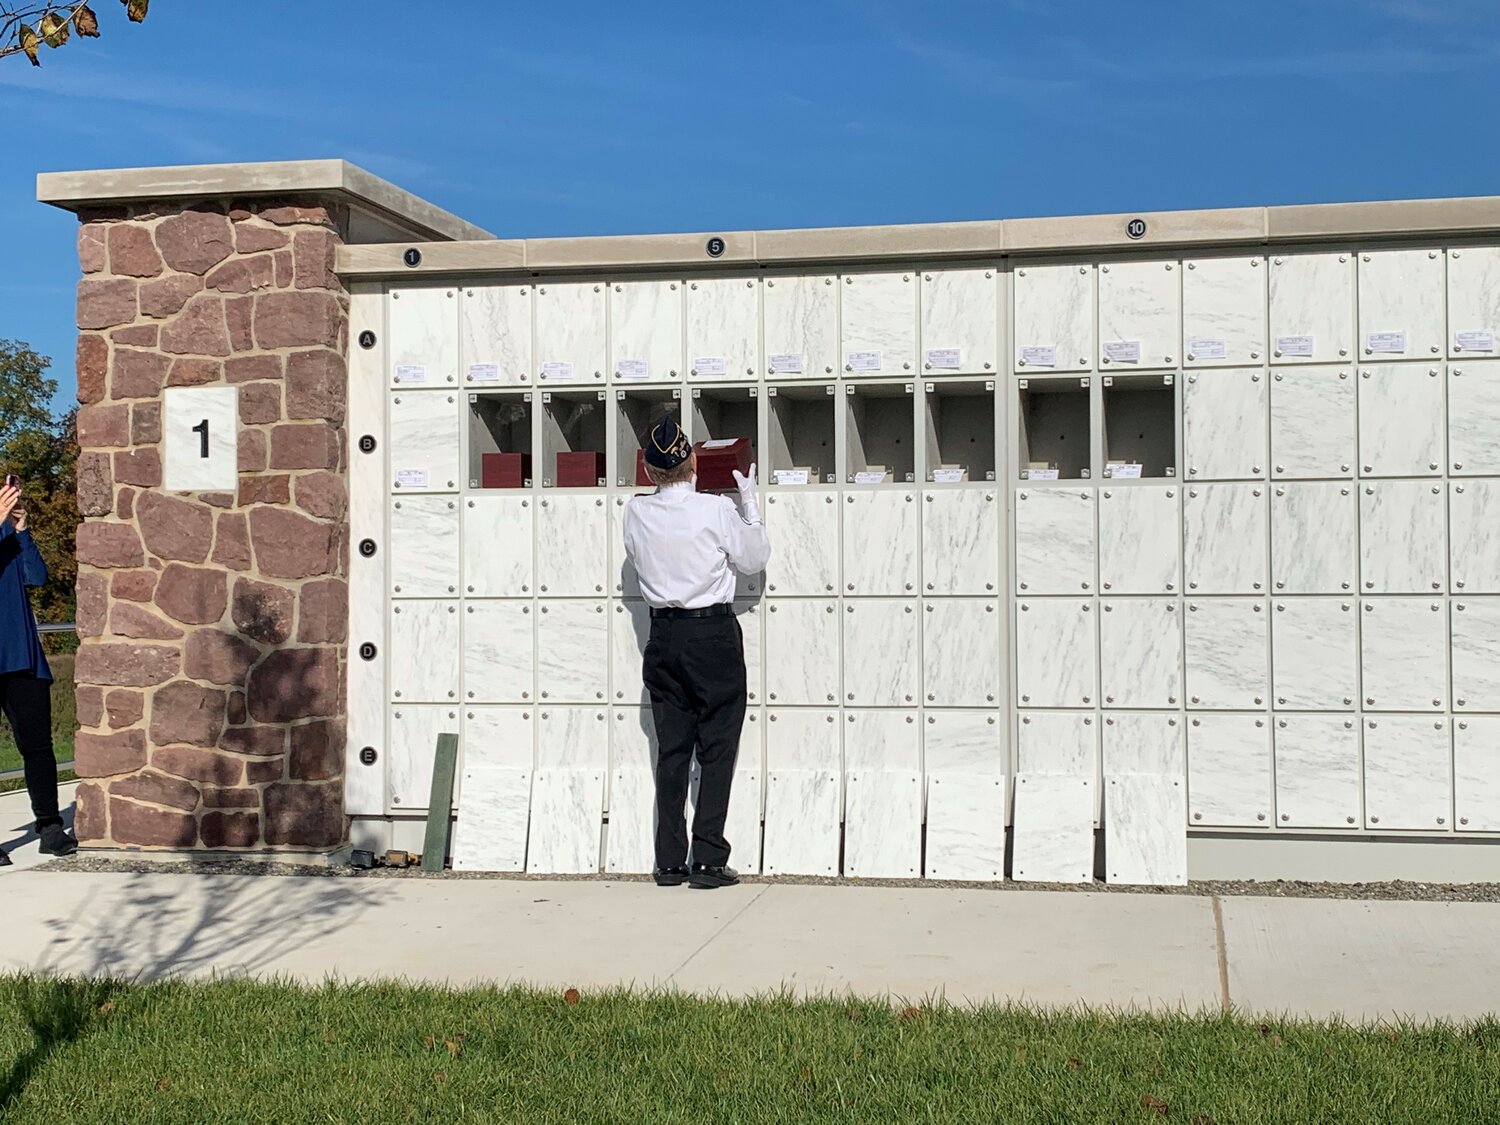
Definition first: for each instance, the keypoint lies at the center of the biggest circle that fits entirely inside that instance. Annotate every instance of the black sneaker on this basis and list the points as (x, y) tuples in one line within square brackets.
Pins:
[(671, 876), (707, 878), (56, 841)]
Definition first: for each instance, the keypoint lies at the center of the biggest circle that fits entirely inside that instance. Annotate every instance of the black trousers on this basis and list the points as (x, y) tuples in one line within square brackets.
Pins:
[(695, 674), (27, 703)]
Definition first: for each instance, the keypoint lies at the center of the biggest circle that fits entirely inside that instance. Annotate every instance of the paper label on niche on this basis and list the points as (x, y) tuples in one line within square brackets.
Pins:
[(1295, 346), (484, 373), (1039, 355), (410, 374), (1041, 474), (870, 478), (558, 370), (943, 359), (1475, 341), (790, 476), (786, 363), (1208, 349), (862, 361), (1122, 351), (720, 443), (709, 365), (411, 478), (1389, 343), (1124, 472), (948, 476), (633, 369)]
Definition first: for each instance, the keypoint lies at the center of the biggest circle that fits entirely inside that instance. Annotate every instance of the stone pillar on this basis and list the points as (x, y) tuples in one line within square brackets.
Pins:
[(212, 626)]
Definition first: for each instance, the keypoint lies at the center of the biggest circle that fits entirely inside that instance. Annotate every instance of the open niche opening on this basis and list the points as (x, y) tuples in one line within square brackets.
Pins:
[(802, 434), (637, 413), (500, 440), (573, 439), (960, 430), (1054, 422), (881, 433), (1140, 427)]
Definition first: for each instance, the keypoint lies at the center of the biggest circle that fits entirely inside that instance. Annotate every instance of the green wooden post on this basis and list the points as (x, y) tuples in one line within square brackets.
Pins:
[(440, 804)]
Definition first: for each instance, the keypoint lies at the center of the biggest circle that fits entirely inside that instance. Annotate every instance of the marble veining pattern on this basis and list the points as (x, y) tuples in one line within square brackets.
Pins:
[(1056, 652), (492, 817), (1145, 830), (424, 333), (1476, 774), (1058, 742), (1224, 538), (414, 732), (752, 635), (880, 315), (802, 651), (1314, 537), (1225, 645), (881, 740), (497, 546), (802, 822), (723, 322), (566, 812), (1141, 301), (1317, 771), (1140, 652), (1476, 654), (963, 742), (573, 738), (629, 842), (959, 311), (800, 318), (1474, 418), (802, 739), (1402, 291), (1224, 424), (1315, 654), (1408, 769), (1403, 545), (424, 640), (804, 531), (498, 652), (572, 651), (424, 441), (1053, 841), (622, 576), (1400, 420), (570, 330), (629, 630), (573, 564), (1144, 742), (880, 662), (498, 737), (961, 541), (1224, 299), (881, 549), (1054, 540), (632, 739), (965, 826), (1313, 423), (424, 547), (1313, 295), (494, 328), (883, 824), (1229, 771), (645, 325), (1473, 294), (1054, 308), (1474, 509), (742, 826), (1139, 540), (1404, 653)]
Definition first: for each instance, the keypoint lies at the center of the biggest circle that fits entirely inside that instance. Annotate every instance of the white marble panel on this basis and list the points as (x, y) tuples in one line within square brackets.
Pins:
[(879, 316), (1140, 652), (959, 313), (963, 742), (1474, 512), (1408, 774), (965, 826), (424, 547), (1229, 771), (883, 824), (1317, 771), (1140, 302), (569, 339), (1224, 310), (424, 441), (566, 814), (645, 331), (802, 822), (498, 738), (1474, 418), (1315, 654), (630, 839), (622, 576), (1053, 839), (1058, 742), (573, 559), (1224, 424), (802, 651), (492, 818), (1054, 308), (499, 652), (961, 541), (1404, 654), (1145, 830), (632, 740), (1225, 649), (1140, 540), (1056, 652), (573, 738), (422, 338), (1314, 537), (881, 740), (424, 648), (1143, 742), (1054, 540), (1224, 536), (1473, 299), (723, 327), (804, 532), (961, 652), (742, 825), (630, 628), (1403, 291), (800, 318), (803, 739), (414, 733), (752, 635), (882, 533), (1401, 420), (1476, 654), (1313, 425), (572, 651), (1312, 295), (497, 546), (1403, 541), (1476, 774), (200, 429), (494, 331), (881, 654)]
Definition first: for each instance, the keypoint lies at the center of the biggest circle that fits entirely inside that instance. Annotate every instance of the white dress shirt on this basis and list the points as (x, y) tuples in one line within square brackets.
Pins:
[(683, 544)]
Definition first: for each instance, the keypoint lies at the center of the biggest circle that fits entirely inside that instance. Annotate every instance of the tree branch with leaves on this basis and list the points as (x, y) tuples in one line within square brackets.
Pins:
[(26, 28)]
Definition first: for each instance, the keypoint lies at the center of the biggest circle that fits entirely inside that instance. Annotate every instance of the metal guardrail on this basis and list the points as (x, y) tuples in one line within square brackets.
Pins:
[(60, 627)]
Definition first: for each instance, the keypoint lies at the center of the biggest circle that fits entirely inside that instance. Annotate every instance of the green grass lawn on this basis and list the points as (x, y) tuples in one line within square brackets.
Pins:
[(232, 1052), (64, 716)]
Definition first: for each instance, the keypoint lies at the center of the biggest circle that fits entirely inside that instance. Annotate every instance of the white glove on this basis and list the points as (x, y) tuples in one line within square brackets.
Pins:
[(749, 506)]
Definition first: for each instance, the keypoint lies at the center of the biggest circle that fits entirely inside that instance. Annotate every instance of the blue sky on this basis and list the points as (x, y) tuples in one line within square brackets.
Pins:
[(594, 118)]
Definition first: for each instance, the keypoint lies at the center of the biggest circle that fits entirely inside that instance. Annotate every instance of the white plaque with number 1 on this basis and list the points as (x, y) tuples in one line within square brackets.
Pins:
[(200, 446)]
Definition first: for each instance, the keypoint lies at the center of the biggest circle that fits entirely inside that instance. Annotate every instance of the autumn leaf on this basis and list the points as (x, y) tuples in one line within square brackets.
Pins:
[(910, 1014), (1075, 1064), (106, 1007), (440, 1076), (85, 22), (429, 1042), (29, 43), (135, 9), (1148, 1102), (163, 1083), (54, 30), (455, 1046), (571, 996)]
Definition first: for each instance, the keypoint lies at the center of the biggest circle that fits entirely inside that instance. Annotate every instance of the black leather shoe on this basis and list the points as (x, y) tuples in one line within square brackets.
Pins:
[(706, 878), (671, 876), (56, 841), (5, 860)]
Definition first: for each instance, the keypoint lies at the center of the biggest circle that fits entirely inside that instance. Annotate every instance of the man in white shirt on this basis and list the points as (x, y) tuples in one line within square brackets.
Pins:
[(685, 547)]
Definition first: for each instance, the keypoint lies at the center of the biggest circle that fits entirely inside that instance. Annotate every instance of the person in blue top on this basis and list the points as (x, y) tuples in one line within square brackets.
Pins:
[(25, 678)]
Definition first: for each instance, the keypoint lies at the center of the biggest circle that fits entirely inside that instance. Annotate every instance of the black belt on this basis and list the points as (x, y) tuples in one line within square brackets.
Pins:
[(723, 609)]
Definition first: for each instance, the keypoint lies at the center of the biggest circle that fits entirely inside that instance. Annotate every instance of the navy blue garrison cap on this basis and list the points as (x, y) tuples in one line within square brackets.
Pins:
[(668, 446)]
